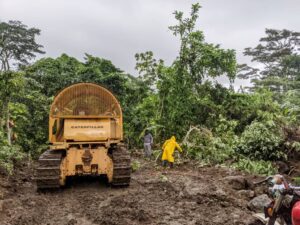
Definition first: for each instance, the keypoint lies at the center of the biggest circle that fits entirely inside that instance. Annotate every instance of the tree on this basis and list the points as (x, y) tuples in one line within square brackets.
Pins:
[(148, 67), (278, 60), (11, 84), (47, 76), (200, 59), (179, 86), (55, 74), (17, 44)]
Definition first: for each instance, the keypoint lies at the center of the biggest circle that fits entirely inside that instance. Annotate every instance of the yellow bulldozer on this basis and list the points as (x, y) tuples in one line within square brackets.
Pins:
[(85, 135)]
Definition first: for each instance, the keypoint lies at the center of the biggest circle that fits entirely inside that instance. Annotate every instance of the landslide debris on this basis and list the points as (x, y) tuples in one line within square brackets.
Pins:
[(184, 195)]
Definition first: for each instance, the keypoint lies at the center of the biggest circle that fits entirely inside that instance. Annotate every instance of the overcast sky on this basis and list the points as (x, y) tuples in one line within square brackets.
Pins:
[(117, 29)]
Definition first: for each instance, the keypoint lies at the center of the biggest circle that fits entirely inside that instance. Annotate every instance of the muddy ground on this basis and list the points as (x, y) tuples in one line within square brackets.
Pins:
[(187, 194)]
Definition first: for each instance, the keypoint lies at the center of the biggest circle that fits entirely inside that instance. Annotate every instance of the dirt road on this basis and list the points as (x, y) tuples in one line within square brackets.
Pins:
[(184, 195)]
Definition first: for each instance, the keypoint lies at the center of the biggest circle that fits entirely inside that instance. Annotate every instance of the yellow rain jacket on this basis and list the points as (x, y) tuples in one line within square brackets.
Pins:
[(168, 149)]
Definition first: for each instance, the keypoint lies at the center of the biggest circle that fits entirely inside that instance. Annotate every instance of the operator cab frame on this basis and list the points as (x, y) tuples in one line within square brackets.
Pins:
[(85, 113)]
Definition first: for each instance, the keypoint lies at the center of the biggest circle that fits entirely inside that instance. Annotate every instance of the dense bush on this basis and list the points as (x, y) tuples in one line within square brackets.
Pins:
[(262, 142), (213, 151), (9, 155), (255, 166), (202, 145)]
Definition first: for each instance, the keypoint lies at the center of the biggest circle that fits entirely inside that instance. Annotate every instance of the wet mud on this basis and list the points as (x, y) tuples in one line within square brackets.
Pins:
[(186, 194)]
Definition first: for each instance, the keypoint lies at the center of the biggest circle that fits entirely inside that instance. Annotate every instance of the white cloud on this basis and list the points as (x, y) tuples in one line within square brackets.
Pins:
[(117, 29)]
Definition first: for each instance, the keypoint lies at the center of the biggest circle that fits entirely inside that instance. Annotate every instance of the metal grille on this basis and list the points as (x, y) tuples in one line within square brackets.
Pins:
[(85, 99)]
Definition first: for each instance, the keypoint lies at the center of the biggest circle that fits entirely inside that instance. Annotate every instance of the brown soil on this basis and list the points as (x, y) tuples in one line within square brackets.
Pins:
[(184, 195)]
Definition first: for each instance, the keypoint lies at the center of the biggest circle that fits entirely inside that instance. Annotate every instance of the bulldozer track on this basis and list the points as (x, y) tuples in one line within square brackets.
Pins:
[(48, 171), (122, 167)]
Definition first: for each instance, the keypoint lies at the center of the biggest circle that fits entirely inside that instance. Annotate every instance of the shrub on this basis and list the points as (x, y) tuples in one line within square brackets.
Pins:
[(202, 145), (135, 165), (261, 141), (255, 166), (8, 156)]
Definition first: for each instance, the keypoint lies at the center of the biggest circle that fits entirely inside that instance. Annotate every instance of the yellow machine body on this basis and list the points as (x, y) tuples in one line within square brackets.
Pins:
[(85, 112), (88, 130), (85, 121), (86, 162)]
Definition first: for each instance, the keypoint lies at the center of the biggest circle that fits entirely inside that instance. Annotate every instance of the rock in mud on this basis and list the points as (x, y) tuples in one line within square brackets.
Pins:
[(236, 182), (1, 205), (254, 221), (72, 222), (1, 194), (283, 168), (260, 190), (258, 203), (246, 194), (142, 215)]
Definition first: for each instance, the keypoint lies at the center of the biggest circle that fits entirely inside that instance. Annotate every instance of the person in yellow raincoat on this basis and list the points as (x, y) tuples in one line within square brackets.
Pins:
[(168, 151)]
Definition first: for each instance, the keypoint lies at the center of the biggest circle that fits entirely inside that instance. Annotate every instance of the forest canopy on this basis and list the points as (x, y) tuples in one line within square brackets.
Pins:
[(246, 129)]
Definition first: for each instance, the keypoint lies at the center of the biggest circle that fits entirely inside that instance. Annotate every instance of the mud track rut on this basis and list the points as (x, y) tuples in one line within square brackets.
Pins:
[(185, 195)]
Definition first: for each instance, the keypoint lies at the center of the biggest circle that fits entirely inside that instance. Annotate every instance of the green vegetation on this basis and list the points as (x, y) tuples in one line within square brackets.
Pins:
[(255, 166), (135, 165), (216, 124), (261, 141)]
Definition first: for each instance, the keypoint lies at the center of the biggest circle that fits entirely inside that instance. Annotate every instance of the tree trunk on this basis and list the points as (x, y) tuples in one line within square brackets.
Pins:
[(2, 117), (6, 119), (8, 129)]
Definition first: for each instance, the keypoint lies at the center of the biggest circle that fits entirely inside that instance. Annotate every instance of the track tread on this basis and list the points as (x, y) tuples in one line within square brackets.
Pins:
[(122, 167), (48, 171)]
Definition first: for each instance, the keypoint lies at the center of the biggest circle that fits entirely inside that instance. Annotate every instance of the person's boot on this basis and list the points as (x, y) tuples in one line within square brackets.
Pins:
[(164, 164), (171, 165)]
